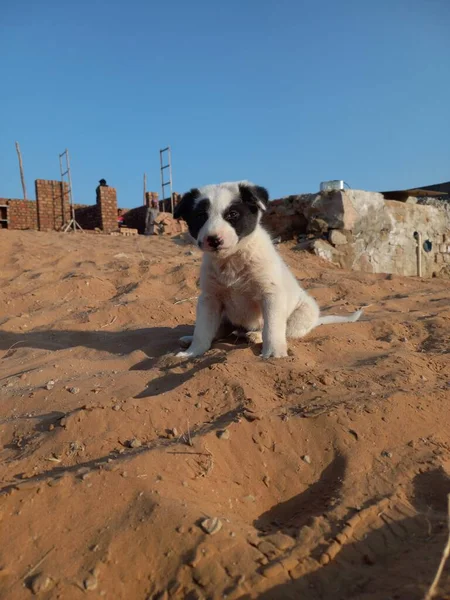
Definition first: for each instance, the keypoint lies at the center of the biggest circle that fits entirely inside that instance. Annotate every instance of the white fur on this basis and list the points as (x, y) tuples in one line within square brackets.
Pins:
[(248, 282)]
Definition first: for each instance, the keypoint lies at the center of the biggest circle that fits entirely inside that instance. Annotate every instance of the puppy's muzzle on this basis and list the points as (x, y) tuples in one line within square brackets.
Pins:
[(212, 242)]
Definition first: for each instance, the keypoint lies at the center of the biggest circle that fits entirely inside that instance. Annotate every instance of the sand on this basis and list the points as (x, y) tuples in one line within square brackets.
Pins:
[(320, 476)]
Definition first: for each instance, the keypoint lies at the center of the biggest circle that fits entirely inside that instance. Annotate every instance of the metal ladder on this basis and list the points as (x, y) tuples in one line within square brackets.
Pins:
[(65, 172), (164, 181)]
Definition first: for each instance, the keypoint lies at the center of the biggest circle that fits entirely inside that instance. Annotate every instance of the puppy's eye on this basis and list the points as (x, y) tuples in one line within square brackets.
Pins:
[(232, 215)]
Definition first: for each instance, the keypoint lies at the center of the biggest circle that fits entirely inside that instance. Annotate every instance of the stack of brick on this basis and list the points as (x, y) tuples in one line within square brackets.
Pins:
[(107, 201), (53, 205), (21, 214)]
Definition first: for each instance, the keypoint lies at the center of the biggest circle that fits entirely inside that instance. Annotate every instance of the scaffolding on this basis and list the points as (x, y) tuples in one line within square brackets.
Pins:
[(65, 172), (165, 152)]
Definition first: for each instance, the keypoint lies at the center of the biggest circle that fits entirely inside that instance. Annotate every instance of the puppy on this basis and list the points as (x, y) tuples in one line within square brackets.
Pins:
[(245, 284)]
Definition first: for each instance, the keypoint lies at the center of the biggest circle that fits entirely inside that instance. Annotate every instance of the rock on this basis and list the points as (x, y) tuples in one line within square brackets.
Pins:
[(307, 459), (134, 443), (50, 384), (250, 498), (41, 583), (337, 238), (211, 526), (74, 390), (91, 582), (386, 454), (325, 250), (172, 433), (266, 480), (281, 541), (223, 435), (273, 570)]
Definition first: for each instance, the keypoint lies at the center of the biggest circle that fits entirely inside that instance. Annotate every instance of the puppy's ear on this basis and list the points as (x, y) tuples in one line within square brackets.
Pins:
[(184, 207), (255, 195)]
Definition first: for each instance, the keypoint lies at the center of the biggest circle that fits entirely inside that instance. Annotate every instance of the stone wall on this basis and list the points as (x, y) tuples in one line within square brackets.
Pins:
[(360, 230), (53, 205)]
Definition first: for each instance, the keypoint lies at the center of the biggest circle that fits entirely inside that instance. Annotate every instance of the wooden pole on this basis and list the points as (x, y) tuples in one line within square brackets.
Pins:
[(22, 178)]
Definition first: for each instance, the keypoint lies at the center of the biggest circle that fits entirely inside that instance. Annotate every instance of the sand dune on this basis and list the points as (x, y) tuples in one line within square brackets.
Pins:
[(327, 471)]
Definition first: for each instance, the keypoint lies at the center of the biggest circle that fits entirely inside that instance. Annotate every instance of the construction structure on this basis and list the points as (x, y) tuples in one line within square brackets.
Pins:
[(66, 178)]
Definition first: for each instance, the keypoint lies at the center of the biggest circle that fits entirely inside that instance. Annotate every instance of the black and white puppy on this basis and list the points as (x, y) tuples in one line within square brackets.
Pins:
[(245, 284)]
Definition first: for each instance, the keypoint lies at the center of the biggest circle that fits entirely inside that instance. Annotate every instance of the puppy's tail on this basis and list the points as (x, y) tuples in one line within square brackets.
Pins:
[(329, 320)]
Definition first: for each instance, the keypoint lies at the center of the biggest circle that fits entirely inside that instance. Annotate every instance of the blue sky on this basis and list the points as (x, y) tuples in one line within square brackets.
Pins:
[(286, 93)]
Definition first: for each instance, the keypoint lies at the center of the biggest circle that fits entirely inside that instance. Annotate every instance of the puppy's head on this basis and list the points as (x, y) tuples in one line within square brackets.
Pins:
[(220, 216)]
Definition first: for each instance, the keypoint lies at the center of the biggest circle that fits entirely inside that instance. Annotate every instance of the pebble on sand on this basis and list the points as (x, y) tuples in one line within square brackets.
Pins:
[(212, 525)]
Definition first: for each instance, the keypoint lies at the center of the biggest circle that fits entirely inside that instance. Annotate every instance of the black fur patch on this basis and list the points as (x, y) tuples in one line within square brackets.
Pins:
[(194, 214), (184, 207), (242, 214), (198, 217)]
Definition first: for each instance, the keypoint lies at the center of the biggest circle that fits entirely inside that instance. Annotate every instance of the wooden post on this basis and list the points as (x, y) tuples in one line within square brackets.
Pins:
[(419, 254), (22, 178)]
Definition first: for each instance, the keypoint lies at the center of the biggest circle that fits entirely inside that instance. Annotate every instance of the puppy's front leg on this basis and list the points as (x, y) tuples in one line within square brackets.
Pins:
[(274, 330), (206, 325)]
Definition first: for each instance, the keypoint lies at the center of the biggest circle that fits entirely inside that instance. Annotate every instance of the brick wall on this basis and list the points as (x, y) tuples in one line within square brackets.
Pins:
[(87, 216), (22, 214), (53, 206), (107, 202), (165, 205)]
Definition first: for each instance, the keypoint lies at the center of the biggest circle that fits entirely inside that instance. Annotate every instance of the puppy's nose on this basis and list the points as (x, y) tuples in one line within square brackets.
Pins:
[(214, 241)]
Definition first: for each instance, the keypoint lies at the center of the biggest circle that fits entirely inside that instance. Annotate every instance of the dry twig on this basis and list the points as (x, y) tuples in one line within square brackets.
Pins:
[(186, 300), (445, 554), (108, 324)]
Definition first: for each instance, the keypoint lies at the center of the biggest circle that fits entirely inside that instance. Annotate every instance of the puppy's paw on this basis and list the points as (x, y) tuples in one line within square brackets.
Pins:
[(186, 341), (274, 352), (190, 353)]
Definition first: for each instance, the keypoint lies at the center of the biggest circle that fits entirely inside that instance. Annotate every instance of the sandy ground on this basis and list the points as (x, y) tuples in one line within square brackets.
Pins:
[(327, 471)]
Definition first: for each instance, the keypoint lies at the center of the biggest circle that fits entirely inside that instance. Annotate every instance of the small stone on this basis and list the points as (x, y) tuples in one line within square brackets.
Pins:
[(134, 443), (386, 454), (307, 459), (90, 583), (51, 427), (50, 384), (198, 405), (74, 390), (337, 238), (180, 529), (266, 480), (250, 498), (116, 407), (41, 583), (223, 435), (172, 433), (212, 525)]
